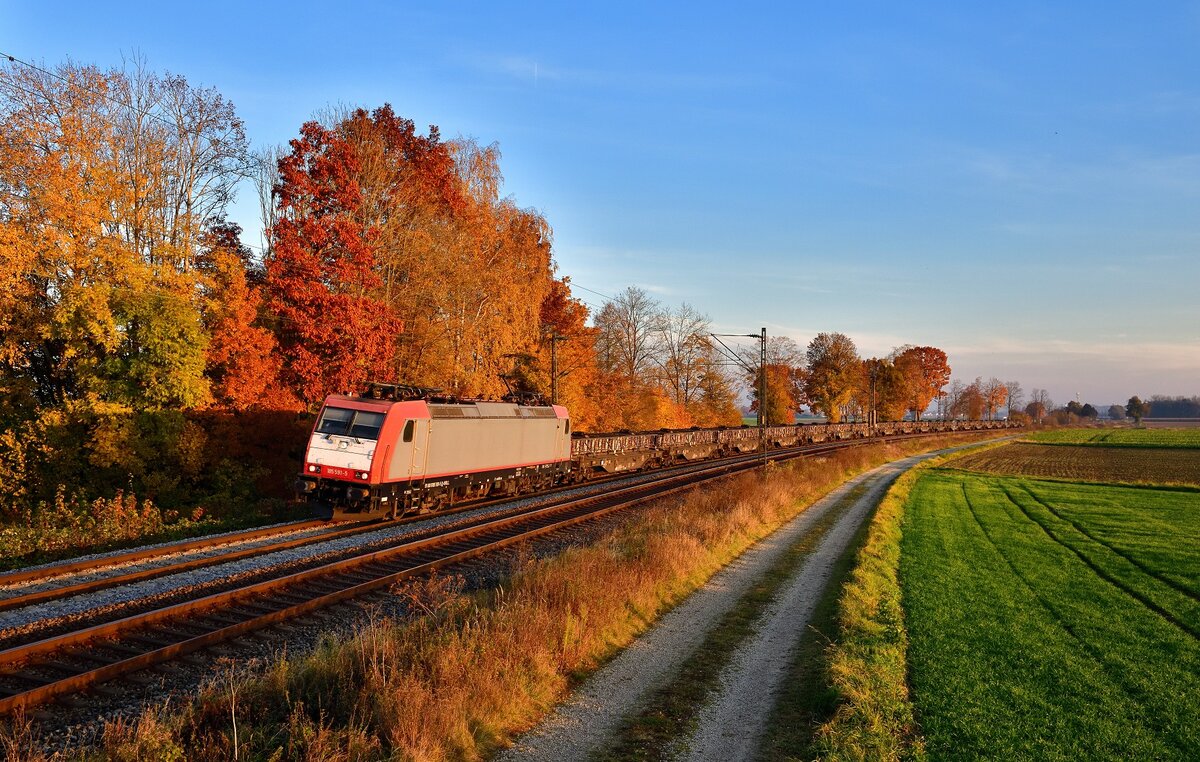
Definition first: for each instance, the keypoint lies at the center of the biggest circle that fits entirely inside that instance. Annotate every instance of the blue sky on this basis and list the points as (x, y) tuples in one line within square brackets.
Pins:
[(1017, 184)]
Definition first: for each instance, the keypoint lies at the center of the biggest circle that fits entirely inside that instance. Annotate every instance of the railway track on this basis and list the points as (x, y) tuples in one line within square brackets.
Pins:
[(76, 661), (40, 573)]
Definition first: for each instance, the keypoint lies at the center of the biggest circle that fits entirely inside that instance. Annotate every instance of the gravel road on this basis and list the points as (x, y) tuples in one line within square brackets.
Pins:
[(732, 722)]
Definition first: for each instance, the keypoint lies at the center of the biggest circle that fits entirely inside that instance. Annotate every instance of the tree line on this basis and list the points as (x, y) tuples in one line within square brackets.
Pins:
[(144, 346)]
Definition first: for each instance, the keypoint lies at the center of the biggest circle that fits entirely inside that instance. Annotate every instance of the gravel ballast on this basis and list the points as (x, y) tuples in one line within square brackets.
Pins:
[(731, 724)]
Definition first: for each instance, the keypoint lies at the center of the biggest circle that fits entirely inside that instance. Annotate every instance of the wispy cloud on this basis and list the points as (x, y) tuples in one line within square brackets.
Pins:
[(535, 70), (1045, 173), (1160, 355)]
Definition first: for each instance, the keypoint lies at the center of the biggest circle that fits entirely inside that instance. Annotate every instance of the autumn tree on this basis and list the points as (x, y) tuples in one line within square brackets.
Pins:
[(717, 404), (321, 273), (463, 269), (101, 207), (244, 364), (833, 369), (1039, 405), (565, 332), (627, 355), (882, 386), (264, 175), (923, 372), (968, 401), (994, 394), (785, 375), (501, 269), (689, 368), (1015, 396), (682, 343), (184, 151), (626, 328)]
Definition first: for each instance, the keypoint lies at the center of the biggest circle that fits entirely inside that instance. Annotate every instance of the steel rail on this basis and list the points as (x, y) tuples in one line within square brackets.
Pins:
[(21, 600), (141, 554), (263, 604)]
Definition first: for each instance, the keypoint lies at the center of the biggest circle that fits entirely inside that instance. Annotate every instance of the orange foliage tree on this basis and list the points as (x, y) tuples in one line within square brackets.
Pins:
[(833, 372), (244, 363), (924, 371), (564, 320)]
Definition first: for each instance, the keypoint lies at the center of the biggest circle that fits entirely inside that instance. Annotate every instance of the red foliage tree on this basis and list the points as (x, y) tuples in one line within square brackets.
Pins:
[(321, 273)]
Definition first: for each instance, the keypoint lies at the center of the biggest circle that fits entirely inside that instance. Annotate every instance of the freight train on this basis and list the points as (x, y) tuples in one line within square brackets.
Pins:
[(397, 449)]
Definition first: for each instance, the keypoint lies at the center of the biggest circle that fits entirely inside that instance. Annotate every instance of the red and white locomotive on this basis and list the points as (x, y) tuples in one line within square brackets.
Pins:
[(394, 450)]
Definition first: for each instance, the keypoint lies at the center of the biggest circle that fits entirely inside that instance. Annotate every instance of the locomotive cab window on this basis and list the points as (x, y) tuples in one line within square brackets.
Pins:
[(408, 431), (366, 425), (360, 424), (335, 420)]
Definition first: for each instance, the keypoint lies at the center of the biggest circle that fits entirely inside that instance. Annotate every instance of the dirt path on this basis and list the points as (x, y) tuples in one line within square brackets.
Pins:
[(732, 723)]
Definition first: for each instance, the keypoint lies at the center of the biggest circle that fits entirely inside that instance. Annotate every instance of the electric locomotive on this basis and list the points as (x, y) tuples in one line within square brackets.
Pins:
[(399, 449)]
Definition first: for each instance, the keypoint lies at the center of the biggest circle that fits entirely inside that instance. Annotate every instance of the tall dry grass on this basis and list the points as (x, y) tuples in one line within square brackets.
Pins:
[(473, 670)]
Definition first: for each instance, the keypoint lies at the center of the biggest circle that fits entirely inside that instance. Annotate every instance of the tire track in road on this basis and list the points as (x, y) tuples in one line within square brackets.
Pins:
[(732, 724)]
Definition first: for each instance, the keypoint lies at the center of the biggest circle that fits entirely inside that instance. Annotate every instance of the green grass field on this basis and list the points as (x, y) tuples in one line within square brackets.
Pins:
[(1052, 620), (1186, 438)]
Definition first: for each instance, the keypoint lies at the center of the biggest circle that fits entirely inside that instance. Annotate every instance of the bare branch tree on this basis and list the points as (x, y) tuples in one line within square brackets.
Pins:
[(682, 348), (626, 341)]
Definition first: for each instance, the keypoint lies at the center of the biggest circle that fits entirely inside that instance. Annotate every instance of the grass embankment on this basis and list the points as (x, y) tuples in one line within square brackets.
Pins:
[(460, 681), (1039, 620), (1183, 438), (69, 528)]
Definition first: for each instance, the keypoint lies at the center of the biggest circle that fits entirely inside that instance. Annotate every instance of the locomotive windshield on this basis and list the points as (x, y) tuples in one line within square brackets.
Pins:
[(361, 424)]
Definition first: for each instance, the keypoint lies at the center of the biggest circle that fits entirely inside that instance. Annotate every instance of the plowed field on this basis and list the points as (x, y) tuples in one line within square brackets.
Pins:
[(1132, 465), (1187, 438)]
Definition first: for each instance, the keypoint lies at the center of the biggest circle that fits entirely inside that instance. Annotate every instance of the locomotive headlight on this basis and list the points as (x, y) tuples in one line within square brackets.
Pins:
[(314, 469), (363, 475)]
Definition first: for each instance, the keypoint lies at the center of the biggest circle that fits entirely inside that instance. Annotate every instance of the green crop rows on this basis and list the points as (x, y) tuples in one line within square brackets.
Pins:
[(1052, 620)]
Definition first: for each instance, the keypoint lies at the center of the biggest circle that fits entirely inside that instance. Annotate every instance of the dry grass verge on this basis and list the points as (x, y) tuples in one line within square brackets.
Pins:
[(460, 680), (868, 664)]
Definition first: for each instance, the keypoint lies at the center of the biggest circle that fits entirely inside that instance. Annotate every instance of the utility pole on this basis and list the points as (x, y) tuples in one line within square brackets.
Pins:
[(762, 396), (762, 379), (554, 339), (871, 416)]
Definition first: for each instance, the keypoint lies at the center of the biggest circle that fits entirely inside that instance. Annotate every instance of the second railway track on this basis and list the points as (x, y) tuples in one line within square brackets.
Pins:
[(75, 661)]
